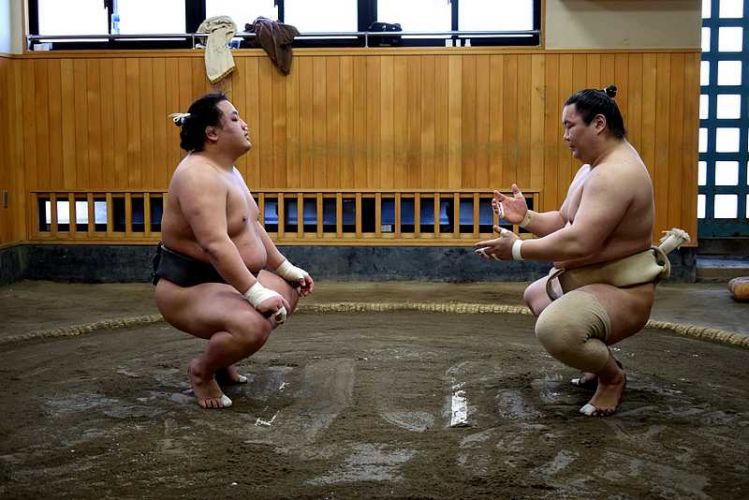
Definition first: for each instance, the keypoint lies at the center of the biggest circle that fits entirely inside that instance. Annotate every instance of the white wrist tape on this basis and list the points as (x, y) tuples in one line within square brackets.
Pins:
[(526, 220), (290, 272), (516, 249), (257, 294)]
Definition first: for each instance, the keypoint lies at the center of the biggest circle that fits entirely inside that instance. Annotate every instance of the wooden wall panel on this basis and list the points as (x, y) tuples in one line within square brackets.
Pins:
[(552, 131), (403, 122), (372, 120), (12, 174), (496, 122), (6, 218), (442, 140), (346, 123), (689, 156)]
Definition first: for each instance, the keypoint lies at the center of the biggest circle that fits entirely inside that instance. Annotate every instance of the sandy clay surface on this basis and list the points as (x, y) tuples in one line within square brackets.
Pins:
[(359, 405)]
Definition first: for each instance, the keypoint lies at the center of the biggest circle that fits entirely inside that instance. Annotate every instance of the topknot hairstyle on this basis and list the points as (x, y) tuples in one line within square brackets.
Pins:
[(610, 91), (202, 113), (592, 102)]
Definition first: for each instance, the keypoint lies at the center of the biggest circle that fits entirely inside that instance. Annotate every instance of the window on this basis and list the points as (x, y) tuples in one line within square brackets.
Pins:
[(329, 215), (91, 18), (463, 15), (724, 129), (410, 15), (486, 15), (147, 16), (241, 11), (270, 219), (309, 215), (63, 215), (110, 17), (316, 16), (488, 21)]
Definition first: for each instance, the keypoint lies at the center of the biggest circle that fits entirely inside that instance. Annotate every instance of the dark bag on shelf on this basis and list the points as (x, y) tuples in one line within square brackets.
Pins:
[(384, 41)]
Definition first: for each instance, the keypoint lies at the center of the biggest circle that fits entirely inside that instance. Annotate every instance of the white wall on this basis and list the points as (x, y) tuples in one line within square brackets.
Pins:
[(11, 27), (5, 30), (623, 24)]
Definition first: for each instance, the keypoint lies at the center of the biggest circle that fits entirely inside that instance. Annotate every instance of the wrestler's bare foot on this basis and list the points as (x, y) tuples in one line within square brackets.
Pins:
[(229, 376), (608, 396), (206, 389)]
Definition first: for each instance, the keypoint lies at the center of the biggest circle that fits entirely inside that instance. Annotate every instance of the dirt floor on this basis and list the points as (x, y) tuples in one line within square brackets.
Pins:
[(359, 405)]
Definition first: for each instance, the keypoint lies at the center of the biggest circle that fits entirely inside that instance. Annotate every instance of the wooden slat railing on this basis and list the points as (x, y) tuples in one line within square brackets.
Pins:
[(309, 217)]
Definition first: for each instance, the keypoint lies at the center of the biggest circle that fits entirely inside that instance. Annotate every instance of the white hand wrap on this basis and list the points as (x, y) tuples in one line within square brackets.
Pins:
[(257, 294), (526, 220), (290, 272), (516, 249)]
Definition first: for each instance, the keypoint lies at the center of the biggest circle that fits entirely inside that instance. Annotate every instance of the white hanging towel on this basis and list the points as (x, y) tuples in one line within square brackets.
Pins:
[(218, 60)]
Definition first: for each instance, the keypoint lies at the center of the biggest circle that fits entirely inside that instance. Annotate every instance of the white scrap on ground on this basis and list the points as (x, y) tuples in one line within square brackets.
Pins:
[(265, 423), (459, 414)]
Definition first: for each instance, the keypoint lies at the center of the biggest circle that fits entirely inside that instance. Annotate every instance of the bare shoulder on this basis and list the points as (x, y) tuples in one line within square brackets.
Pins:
[(192, 173), (623, 167)]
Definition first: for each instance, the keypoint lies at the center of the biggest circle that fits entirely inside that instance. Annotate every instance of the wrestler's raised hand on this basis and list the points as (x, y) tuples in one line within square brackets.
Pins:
[(498, 248), (512, 209), (267, 302)]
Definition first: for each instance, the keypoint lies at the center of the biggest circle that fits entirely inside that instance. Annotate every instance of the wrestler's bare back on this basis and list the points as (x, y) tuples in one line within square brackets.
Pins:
[(623, 169), (240, 217)]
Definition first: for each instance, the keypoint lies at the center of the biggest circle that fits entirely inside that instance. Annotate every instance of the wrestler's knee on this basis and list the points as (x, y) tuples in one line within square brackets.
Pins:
[(529, 297), (556, 333), (253, 333), (535, 297), (573, 329)]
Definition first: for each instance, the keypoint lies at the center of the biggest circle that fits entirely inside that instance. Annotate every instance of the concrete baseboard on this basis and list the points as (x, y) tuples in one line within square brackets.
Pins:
[(447, 264), (13, 263), (721, 270), (728, 248), (90, 263), (132, 263)]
